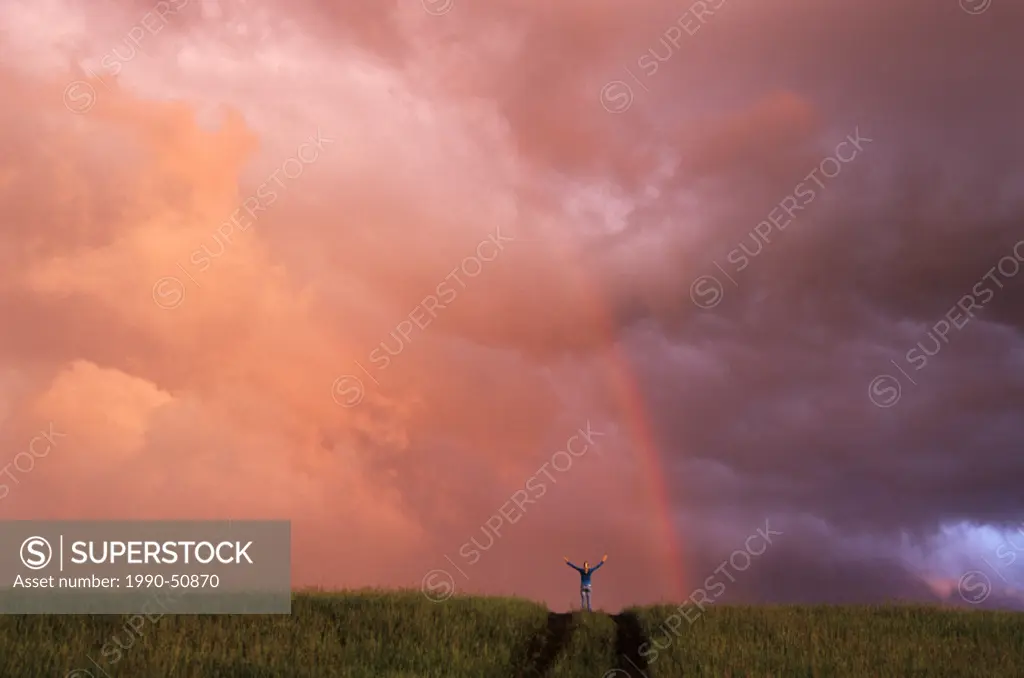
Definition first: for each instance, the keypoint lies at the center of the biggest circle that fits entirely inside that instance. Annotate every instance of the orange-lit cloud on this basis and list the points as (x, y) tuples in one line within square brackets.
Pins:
[(369, 269)]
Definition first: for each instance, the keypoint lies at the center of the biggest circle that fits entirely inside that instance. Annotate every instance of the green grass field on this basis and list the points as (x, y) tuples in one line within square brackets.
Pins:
[(404, 635)]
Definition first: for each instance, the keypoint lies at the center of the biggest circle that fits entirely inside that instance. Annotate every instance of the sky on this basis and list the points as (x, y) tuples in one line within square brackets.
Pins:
[(728, 291)]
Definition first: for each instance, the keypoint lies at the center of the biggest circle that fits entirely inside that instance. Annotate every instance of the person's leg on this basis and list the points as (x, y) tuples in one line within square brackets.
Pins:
[(583, 598), (586, 594)]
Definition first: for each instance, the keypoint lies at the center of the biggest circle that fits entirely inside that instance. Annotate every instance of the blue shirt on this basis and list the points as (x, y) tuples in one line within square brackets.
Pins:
[(585, 575)]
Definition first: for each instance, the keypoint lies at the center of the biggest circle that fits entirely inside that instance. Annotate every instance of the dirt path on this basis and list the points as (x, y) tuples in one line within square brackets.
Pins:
[(545, 647), (629, 636)]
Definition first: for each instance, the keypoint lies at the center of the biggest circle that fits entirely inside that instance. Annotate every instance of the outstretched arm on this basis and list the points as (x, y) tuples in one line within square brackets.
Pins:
[(570, 564), (601, 563)]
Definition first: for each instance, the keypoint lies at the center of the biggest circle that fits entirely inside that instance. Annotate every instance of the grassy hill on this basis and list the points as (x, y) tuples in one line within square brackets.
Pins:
[(404, 635)]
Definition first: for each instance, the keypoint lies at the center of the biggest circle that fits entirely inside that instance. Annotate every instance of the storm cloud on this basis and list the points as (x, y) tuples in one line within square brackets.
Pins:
[(378, 269)]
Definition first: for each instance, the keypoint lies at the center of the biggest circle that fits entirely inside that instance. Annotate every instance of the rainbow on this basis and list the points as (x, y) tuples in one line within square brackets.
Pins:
[(645, 451), (630, 402)]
